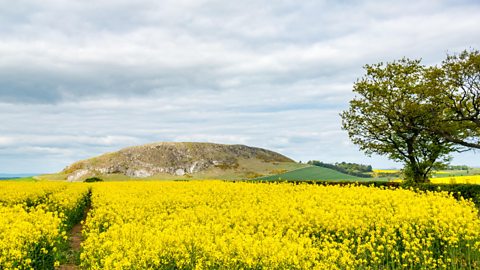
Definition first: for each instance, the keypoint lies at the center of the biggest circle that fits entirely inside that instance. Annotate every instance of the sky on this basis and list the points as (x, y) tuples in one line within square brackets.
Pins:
[(81, 78)]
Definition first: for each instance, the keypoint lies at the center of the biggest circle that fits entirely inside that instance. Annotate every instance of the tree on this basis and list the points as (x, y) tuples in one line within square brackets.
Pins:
[(457, 90), (389, 116)]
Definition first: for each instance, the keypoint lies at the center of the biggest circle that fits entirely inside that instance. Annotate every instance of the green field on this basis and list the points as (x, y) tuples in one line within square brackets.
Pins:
[(448, 173), (266, 171), (314, 173), (25, 179)]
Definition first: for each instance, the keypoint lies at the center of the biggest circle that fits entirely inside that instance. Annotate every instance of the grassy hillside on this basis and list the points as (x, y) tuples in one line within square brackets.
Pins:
[(180, 160), (314, 173), (248, 169)]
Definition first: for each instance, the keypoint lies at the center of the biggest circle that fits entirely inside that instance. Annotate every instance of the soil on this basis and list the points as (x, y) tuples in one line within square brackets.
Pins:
[(75, 242), (76, 237)]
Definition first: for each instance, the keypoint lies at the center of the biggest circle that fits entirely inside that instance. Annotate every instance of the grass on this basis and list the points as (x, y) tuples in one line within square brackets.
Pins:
[(24, 179), (247, 169), (447, 173), (52, 177), (313, 173), (259, 170)]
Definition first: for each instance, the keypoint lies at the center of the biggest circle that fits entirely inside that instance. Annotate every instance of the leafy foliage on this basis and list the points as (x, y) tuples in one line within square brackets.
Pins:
[(466, 191), (457, 167), (388, 116), (456, 85), (417, 114), (354, 169), (93, 179)]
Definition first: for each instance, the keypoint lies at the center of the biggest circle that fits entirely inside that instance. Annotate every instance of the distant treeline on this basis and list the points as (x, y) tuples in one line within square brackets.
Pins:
[(354, 169), (458, 167)]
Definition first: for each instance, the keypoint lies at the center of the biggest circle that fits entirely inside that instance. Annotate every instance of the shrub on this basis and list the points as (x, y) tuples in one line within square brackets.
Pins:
[(93, 179)]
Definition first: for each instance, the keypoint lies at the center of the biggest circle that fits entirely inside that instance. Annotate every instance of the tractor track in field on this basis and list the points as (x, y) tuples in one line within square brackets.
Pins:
[(75, 244)]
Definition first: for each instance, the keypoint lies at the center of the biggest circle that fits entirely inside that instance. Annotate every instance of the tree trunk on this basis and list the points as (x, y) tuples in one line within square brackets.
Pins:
[(413, 172)]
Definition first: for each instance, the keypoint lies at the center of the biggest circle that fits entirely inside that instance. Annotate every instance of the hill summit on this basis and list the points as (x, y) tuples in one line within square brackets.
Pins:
[(177, 160)]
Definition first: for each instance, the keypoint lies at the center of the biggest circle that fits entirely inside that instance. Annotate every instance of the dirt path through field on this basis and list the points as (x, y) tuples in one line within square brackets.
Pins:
[(75, 244)]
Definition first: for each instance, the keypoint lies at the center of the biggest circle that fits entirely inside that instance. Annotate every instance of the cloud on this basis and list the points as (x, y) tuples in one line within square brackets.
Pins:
[(78, 79), (54, 52), (5, 141)]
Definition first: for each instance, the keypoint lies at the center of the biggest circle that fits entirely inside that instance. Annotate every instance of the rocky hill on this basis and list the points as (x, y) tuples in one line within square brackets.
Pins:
[(168, 160)]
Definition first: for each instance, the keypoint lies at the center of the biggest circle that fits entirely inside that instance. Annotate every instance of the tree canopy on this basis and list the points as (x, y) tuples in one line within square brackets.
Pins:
[(389, 115), (457, 88), (417, 114)]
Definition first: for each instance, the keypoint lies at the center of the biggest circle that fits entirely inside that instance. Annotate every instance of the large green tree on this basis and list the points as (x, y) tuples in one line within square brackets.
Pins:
[(456, 88), (394, 107)]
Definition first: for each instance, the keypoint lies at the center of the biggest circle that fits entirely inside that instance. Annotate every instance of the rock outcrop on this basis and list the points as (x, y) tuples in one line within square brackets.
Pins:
[(170, 158)]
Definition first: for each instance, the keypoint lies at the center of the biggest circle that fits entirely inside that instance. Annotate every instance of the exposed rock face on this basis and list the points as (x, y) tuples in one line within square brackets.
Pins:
[(79, 174), (170, 158)]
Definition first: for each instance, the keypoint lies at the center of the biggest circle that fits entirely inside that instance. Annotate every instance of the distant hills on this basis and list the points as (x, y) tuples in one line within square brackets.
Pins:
[(15, 175), (182, 160)]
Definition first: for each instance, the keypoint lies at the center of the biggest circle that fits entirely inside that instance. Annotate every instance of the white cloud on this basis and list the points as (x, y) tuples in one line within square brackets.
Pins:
[(5, 141), (78, 78)]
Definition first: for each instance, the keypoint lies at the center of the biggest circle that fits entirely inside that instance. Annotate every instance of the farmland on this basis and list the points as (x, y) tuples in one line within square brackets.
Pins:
[(314, 173), (35, 220), (466, 179), (216, 224)]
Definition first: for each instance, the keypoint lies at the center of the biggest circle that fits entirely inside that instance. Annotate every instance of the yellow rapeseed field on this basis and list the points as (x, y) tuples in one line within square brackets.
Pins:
[(468, 179), (211, 225), (23, 232), (12, 192), (222, 225), (34, 218), (385, 171)]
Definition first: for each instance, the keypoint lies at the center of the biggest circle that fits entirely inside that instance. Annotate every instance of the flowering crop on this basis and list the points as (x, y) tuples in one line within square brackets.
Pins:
[(70, 202), (386, 171), (34, 217), (27, 237), (468, 179), (12, 192), (214, 224), (205, 225)]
